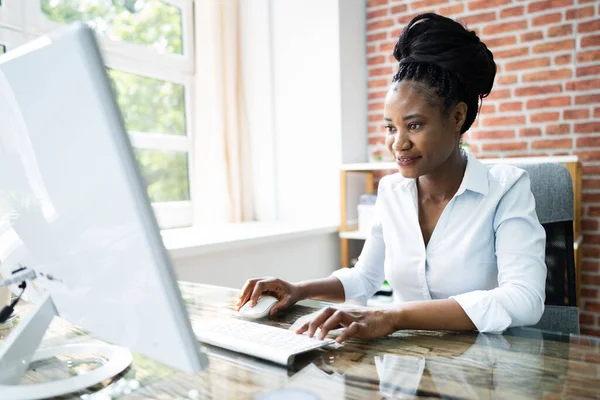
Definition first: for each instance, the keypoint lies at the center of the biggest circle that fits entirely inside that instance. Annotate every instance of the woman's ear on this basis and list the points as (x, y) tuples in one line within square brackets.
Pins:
[(459, 115)]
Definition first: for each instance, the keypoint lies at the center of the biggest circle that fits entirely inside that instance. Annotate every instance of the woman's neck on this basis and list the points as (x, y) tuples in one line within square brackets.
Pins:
[(443, 183)]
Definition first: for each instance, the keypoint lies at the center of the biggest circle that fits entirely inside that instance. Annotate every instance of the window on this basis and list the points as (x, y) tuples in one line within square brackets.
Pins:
[(148, 50)]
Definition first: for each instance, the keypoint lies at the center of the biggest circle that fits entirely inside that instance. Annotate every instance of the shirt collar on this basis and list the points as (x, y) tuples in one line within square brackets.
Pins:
[(475, 178)]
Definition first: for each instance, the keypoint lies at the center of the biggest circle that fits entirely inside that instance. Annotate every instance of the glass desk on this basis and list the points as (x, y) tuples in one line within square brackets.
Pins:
[(520, 364)]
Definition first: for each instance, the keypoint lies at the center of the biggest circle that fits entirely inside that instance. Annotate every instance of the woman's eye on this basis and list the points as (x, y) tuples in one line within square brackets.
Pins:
[(389, 128), (414, 125)]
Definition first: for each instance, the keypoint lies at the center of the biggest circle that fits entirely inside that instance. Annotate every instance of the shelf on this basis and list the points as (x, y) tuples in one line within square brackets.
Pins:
[(353, 235)]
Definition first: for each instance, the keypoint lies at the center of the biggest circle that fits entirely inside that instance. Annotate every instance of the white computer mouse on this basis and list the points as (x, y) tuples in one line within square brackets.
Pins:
[(261, 309)]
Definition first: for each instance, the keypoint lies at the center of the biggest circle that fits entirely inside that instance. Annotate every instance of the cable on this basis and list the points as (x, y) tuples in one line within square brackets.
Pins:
[(8, 310), (18, 276)]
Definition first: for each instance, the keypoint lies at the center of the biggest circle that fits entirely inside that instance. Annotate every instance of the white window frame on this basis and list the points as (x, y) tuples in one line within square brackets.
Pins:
[(21, 21)]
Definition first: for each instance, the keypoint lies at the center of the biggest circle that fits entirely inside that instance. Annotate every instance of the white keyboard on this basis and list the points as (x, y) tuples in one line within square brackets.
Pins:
[(267, 342)]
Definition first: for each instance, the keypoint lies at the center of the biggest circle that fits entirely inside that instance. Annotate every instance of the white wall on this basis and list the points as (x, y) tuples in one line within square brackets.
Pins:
[(293, 260)]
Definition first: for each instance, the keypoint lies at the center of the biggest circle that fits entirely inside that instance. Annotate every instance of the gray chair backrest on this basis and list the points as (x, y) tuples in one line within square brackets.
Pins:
[(552, 189)]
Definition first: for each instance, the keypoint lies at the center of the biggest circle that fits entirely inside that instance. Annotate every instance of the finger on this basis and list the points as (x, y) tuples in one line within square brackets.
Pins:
[(352, 331), (319, 320), (246, 290), (303, 328), (280, 305), (334, 322), (259, 289)]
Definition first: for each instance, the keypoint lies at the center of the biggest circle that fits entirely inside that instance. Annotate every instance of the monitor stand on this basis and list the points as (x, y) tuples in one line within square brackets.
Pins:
[(19, 350)]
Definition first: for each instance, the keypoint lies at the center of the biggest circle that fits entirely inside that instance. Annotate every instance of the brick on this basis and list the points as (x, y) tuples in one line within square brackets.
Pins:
[(503, 121), (548, 4), (563, 45), (588, 127), (552, 144), (377, 95), (503, 27), (588, 155), (376, 60), (392, 59), (504, 146), (563, 59), (375, 3), (377, 83), (487, 109), (587, 99), (377, 36), (588, 56), (585, 318), (387, 47), (451, 10), (549, 102), (590, 26), (595, 253), (546, 19), (506, 79), (597, 112), (580, 13), (511, 106), (537, 90), (576, 114), (591, 169), (550, 75), (590, 224), (589, 84), (529, 132), (380, 71), (590, 267), (498, 134), (544, 117), (510, 53), (590, 41), (379, 24), (561, 30), (592, 184), (377, 13), (593, 306), (590, 141), (371, 49), (405, 19), (477, 18), (482, 4), (396, 33), (560, 129), (416, 5), (589, 238), (373, 129), (528, 64), (376, 107), (399, 9), (498, 94), (531, 36), (585, 71), (501, 41), (512, 12), (375, 117)]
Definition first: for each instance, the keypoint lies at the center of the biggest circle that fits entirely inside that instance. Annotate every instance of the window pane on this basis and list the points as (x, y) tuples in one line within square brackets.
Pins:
[(145, 22), (148, 104), (2, 49), (166, 174)]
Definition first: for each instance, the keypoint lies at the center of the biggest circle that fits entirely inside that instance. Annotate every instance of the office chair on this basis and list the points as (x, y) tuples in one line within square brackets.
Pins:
[(552, 189)]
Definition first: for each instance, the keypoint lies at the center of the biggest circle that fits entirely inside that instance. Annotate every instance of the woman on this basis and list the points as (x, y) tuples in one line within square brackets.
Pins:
[(459, 242)]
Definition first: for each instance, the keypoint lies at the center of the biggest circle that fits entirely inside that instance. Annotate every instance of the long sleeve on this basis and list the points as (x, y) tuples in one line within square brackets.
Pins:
[(520, 249), (362, 281)]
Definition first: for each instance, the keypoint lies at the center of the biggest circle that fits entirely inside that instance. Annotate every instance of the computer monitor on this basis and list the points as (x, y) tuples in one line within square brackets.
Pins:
[(74, 209)]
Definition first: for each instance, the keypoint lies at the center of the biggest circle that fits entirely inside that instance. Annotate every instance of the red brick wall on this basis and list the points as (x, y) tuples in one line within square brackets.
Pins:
[(546, 97)]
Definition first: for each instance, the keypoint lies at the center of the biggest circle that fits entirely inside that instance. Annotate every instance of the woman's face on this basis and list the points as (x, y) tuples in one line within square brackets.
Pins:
[(419, 136)]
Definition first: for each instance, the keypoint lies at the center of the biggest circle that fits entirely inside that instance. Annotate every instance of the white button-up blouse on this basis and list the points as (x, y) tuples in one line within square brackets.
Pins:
[(486, 251)]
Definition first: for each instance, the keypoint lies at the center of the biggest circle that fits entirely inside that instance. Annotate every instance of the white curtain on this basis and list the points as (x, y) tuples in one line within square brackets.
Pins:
[(221, 169)]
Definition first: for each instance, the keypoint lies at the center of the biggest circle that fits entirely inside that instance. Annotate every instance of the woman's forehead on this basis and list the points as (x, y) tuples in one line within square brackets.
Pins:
[(406, 97)]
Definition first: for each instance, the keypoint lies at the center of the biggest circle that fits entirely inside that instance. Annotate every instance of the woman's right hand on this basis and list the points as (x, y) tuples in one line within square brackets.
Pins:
[(287, 293)]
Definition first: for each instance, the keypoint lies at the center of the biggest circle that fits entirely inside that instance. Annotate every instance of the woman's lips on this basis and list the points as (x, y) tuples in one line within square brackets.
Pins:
[(406, 161)]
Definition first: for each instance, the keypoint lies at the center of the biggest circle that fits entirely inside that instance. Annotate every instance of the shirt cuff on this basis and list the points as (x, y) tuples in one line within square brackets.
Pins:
[(485, 312), (353, 287)]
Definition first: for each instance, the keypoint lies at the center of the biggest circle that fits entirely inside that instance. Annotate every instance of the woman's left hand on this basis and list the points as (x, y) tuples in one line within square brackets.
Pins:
[(362, 324)]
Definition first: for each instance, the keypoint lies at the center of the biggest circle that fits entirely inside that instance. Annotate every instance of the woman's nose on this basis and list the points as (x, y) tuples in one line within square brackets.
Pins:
[(401, 142)]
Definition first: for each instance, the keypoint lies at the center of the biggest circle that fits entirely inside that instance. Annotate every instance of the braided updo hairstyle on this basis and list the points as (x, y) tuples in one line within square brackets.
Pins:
[(450, 60)]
